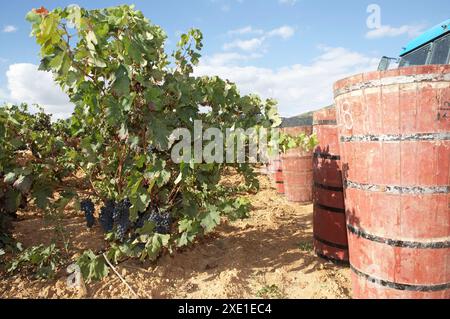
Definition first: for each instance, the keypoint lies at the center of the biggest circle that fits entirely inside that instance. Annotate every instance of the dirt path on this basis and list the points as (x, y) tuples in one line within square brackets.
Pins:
[(268, 255)]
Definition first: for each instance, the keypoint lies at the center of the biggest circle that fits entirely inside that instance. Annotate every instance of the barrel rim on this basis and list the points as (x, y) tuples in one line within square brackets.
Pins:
[(342, 86), (325, 114), (325, 123)]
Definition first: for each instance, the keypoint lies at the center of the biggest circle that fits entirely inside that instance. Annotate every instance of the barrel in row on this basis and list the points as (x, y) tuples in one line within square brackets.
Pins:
[(395, 147), (276, 173), (297, 169), (330, 232), (297, 172)]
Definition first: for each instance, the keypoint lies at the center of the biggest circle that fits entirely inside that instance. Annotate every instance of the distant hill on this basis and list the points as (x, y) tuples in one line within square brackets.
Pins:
[(300, 120)]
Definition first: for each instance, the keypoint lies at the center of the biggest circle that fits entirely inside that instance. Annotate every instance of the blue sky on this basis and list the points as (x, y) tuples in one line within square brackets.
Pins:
[(287, 49)]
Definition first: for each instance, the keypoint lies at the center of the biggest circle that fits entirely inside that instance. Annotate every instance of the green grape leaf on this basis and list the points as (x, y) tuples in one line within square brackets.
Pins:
[(160, 132), (211, 220), (93, 268), (147, 229), (121, 85), (155, 244)]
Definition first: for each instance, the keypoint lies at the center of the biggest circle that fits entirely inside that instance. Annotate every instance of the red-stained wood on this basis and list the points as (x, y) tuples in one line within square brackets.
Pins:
[(330, 231), (394, 130)]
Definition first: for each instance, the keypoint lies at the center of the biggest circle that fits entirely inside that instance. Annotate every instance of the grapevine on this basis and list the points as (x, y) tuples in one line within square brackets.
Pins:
[(129, 96), (32, 162)]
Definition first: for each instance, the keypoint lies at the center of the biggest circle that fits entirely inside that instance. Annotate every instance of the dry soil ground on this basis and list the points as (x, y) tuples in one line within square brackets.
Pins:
[(268, 255)]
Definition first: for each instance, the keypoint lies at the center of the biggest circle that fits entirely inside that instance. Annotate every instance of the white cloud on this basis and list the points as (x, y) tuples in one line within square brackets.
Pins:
[(245, 30), (9, 29), (245, 45), (298, 88), (388, 31), (225, 8), (284, 32), (27, 84), (288, 2), (229, 58)]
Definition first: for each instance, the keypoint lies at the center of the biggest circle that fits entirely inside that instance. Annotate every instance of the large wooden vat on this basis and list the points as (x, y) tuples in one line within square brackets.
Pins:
[(298, 176), (330, 232), (276, 174), (395, 146), (297, 169)]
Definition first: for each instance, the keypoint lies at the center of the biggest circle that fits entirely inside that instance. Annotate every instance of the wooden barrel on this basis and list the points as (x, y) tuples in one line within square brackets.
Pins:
[(271, 167), (330, 232), (395, 146), (293, 196), (297, 168), (297, 172), (276, 172)]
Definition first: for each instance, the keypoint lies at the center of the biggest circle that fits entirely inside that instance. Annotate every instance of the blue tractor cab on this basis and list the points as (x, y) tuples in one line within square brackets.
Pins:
[(432, 47)]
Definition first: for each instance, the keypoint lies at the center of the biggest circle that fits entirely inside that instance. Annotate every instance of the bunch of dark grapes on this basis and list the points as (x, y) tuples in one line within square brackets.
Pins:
[(119, 208), (121, 217), (162, 221), (88, 208), (106, 216)]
